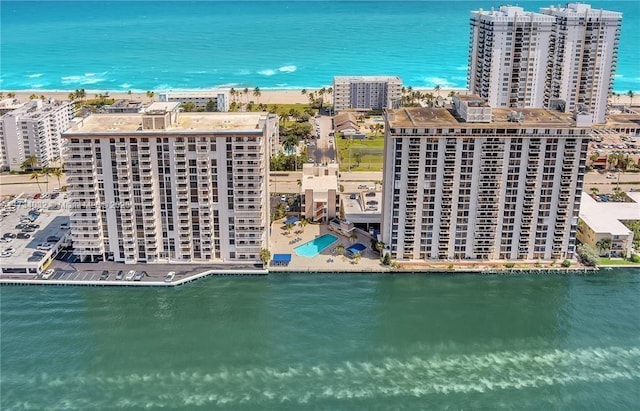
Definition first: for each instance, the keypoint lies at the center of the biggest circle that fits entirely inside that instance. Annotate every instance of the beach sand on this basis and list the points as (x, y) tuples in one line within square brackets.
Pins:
[(268, 96)]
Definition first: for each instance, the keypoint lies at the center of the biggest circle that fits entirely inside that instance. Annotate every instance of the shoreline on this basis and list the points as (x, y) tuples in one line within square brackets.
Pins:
[(267, 95)]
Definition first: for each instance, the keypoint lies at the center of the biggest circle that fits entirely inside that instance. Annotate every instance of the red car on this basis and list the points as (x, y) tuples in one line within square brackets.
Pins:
[(37, 196)]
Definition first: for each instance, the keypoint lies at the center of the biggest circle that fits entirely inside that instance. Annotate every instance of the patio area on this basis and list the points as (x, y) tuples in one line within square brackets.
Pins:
[(329, 260)]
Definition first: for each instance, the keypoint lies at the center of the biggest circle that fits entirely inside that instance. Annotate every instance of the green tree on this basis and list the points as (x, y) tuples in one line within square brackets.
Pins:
[(386, 260), (357, 257), (265, 256), (289, 227), (150, 94), (189, 106), (631, 95), (29, 163), (353, 237), (33, 97), (566, 263), (340, 248), (57, 173), (46, 172), (11, 94), (257, 93), (604, 245), (303, 91), (211, 106), (594, 191), (36, 176), (437, 89)]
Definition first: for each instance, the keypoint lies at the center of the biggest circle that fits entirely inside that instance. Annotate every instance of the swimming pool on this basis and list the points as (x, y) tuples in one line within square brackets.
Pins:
[(316, 246)]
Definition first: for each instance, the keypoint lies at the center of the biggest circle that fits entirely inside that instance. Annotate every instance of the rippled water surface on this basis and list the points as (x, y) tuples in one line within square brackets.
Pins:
[(330, 342)]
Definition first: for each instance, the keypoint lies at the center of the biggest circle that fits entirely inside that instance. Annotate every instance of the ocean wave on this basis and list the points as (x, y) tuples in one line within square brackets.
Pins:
[(384, 378), (287, 69), (439, 81), (243, 72), (125, 86), (267, 72), (85, 79), (34, 75)]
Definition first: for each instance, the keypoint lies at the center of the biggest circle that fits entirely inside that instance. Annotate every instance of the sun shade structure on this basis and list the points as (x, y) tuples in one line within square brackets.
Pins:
[(356, 248), (291, 220), (281, 259)]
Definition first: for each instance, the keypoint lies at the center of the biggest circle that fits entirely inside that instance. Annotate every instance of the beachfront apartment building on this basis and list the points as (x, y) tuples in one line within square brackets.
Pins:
[(561, 58), (33, 130), (509, 56), (218, 99), (481, 183), (584, 57), (165, 186), (363, 93)]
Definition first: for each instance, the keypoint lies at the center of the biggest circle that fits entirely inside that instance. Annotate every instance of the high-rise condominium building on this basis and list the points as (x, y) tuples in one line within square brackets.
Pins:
[(560, 58), (509, 56), (33, 130), (584, 57), (480, 183), (210, 100), (365, 92), (166, 186)]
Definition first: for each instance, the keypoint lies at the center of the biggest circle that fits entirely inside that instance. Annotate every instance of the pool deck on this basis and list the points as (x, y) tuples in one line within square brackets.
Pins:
[(280, 239)]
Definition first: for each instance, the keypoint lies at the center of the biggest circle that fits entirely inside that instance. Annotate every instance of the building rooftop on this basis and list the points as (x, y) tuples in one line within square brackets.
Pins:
[(163, 106), (320, 185), (422, 117), (35, 109), (508, 13), (199, 93), (9, 104), (357, 210), (125, 104), (339, 79), (110, 124), (605, 217)]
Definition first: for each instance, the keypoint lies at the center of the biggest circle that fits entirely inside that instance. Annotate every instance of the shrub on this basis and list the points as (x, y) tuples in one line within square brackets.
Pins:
[(386, 260), (635, 258), (587, 255), (510, 265), (566, 263)]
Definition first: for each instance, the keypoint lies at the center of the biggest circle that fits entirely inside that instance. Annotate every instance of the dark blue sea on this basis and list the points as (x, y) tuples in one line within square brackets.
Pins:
[(143, 45)]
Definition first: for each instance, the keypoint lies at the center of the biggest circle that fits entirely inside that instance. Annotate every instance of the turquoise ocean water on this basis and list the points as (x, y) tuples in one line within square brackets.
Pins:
[(143, 45), (327, 342)]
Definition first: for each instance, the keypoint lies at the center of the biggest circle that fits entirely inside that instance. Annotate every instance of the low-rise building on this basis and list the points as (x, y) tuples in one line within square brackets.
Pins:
[(209, 100), (319, 187), (604, 220), (363, 93), (124, 106)]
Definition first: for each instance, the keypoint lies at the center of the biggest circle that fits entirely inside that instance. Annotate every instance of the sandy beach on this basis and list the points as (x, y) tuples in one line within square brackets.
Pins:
[(268, 96)]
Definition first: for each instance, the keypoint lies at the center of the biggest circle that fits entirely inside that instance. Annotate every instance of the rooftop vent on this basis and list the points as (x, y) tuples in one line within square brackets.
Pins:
[(515, 117)]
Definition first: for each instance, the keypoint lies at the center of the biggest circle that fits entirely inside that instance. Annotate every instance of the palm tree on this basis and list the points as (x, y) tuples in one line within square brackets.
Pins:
[(246, 94), (303, 91), (257, 93), (303, 223), (299, 181), (150, 94), (57, 173), (29, 163), (356, 257), (330, 92), (594, 191), (265, 256), (631, 94), (604, 245), (340, 248), (46, 172), (36, 176), (437, 89), (129, 93), (33, 97), (321, 93), (289, 227), (353, 237), (613, 160), (593, 157), (452, 94), (72, 96), (11, 94)]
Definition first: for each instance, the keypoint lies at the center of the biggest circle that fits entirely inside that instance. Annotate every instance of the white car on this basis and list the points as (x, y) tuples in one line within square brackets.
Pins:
[(44, 246), (130, 275), (611, 176), (47, 274), (170, 276)]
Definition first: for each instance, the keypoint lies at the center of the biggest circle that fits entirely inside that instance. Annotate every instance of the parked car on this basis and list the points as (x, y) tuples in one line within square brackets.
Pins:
[(5, 240), (47, 274), (611, 177), (9, 235), (352, 196), (33, 225), (53, 239), (28, 230), (20, 226), (363, 186), (104, 275), (139, 275), (39, 254), (9, 250), (44, 246), (170, 276), (130, 275), (23, 236), (119, 275), (4, 254)]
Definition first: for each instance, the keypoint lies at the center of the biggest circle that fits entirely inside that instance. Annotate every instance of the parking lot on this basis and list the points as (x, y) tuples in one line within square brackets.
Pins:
[(32, 231)]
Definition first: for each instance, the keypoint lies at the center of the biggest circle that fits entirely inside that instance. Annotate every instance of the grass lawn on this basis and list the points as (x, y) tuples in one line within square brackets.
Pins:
[(616, 261), (369, 150)]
